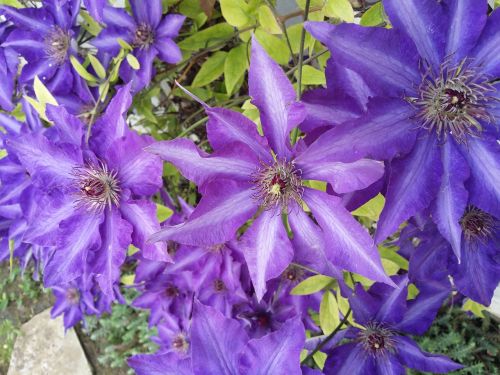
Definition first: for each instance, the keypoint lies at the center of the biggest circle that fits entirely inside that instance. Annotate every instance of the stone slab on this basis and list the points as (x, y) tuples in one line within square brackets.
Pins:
[(43, 348)]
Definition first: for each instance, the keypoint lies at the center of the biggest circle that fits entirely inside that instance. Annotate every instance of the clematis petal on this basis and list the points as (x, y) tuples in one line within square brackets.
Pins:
[(160, 364), (345, 177), (225, 126), (413, 183), (118, 17), (483, 156), (384, 58), (411, 356), (235, 161), (216, 342), (115, 239), (451, 199), (225, 206), (467, 19), (353, 247), (274, 96), (278, 352), (79, 234), (384, 132), (142, 215), (389, 365), (168, 51), (68, 127), (486, 52), (427, 31), (394, 302), (29, 18), (267, 249), (170, 25), (349, 359), (107, 40), (147, 12)]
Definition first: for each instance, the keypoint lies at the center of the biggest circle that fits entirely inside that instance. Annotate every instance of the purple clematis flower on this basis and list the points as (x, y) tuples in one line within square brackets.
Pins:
[(248, 174), (435, 109), (91, 199), (147, 32), (221, 346), (45, 37), (478, 273), (8, 69), (380, 347)]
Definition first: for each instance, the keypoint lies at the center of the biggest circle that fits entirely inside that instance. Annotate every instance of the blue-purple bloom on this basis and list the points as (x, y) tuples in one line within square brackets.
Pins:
[(262, 177), (46, 38), (433, 112), (8, 69), (380, 346), (147, 32), (91, 200)]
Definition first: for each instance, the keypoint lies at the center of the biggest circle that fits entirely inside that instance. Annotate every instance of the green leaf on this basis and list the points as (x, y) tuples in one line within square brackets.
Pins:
[(391, 254), (210, 70), (320, 359), (497, 4), (42, 93), (96, 64), (329, 313), (390, 267), (372, 208), (128, 279), (12, 3), (124, 44), (374, 16), (132, 250), (268, 21), (412, 292), (89, 24), (207, 37), (474, 307), (82, 72), (39, 108), (133, 62), (235, 12), (312, 285), (274, 46), (341, 9), (235, 66), (312, 76), (163, 212)]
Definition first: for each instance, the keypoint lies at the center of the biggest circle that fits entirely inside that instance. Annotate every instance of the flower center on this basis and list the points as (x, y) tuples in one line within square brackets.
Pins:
[(73, 296), (219, 285), (180, 343), (455, 101), (376, 339), (278, 184), (98, 187), (144, 36), (293, 273), (171, 291), (57, 44), (477, 224)]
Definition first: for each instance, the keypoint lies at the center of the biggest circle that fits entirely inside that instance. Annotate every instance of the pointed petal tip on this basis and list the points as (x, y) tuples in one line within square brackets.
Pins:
[(190, 94)]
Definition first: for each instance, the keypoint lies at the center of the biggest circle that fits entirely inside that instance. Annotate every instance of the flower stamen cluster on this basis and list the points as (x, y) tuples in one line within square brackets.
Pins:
[(57, 44), (144, 36), (477, 224), (377, 339)]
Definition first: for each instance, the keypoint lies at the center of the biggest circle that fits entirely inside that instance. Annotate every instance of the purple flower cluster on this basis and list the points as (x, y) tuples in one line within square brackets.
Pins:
[(410, 112)]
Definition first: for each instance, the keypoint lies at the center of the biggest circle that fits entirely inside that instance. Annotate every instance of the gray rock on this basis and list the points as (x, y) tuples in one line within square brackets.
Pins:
[(42, 348)]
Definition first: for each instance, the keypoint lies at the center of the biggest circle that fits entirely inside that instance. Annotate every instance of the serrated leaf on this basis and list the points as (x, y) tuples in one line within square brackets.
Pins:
[(42, 93), (341, 9), (235, 12), (312, 76), (312, 285), (235, 66), (374, 16), (133, 62), (96, 64), (274, 46), (80, 69), (267, 20), (372, 208), (211, 69), (207, 37), (163, 212), (329, 313)]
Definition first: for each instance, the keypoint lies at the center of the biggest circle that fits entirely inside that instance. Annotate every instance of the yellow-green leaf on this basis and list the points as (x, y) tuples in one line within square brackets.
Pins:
[(42, 93), (210, 70), (89, 24), (207, 37), (372, 208), (268, 21), (235, 12), (132, 250), (124, 44), (39, 107), (163, 212), (312, 285), (412, 291), (341, 9), (374, 16), (128, 279), (96, 64), (474, 307), (133, 62), (320, 359), (329, 313), (80, 69), (235, 67), (274, 46), (312, 76), (391, 254)]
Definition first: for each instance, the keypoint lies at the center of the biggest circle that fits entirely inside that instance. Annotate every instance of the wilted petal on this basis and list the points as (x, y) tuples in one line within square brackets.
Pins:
[(216, 342), (413, 184), (275, 353), (267, 249)]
